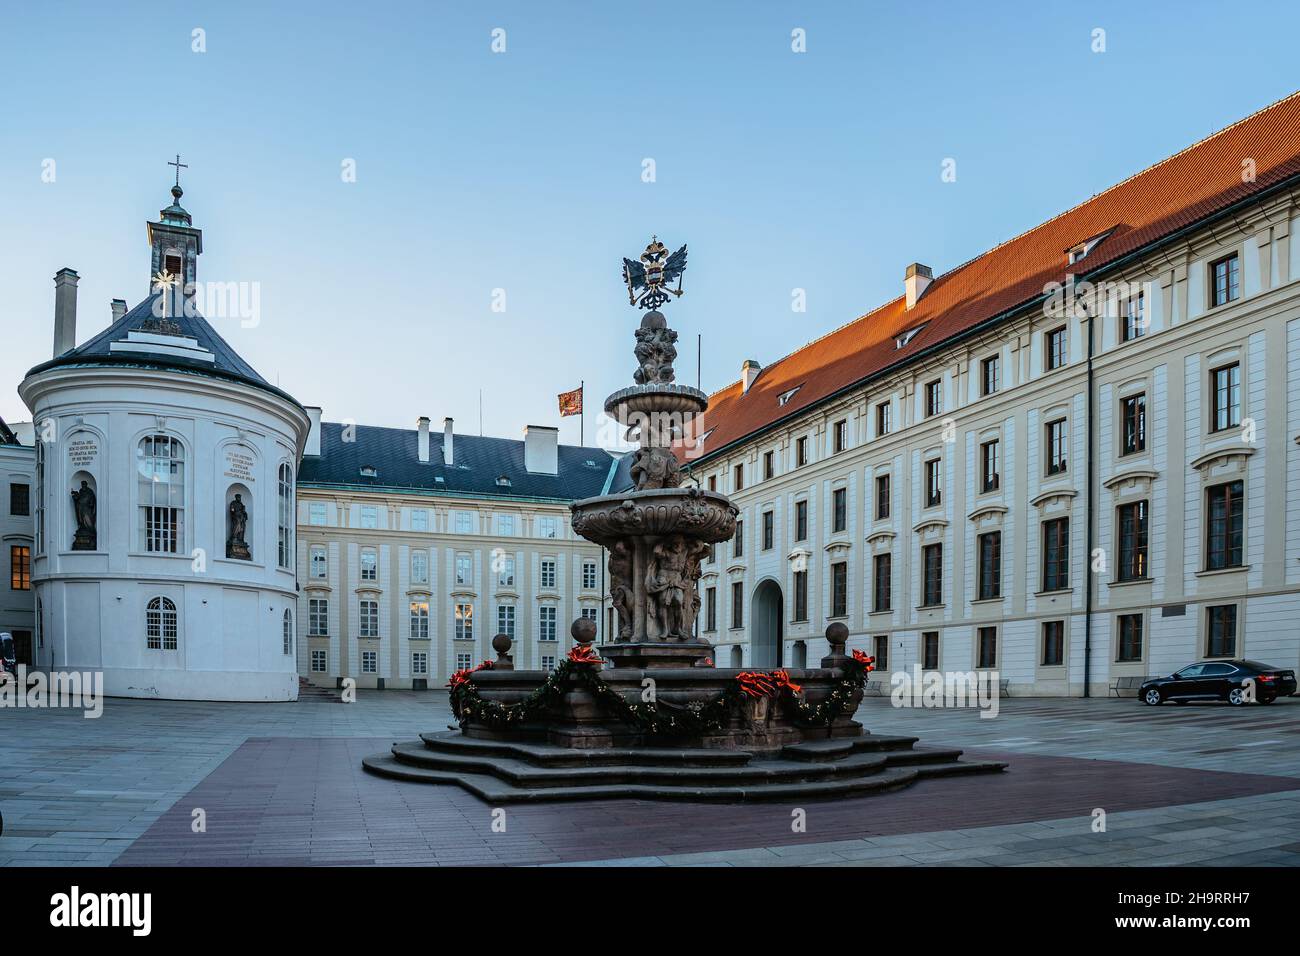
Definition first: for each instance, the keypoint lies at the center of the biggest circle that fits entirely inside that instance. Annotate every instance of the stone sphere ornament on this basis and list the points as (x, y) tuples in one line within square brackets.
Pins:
[(583, 630)]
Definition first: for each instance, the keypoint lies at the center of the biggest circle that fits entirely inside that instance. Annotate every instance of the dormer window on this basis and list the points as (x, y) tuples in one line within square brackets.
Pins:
[(1080, 252), (369, 471), (784, 397), (503, 482), (907, 336)]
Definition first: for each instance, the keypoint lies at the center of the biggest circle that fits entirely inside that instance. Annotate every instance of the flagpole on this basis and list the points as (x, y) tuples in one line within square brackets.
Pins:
[(582, 412)]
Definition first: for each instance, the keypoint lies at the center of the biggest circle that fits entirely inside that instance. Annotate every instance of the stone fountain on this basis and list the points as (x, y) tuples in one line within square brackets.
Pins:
[(647, 713)]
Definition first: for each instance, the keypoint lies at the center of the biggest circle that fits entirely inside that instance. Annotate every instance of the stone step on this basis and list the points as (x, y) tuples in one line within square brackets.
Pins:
[(495, 791), (551, 756), (837, 747), (527, 775)]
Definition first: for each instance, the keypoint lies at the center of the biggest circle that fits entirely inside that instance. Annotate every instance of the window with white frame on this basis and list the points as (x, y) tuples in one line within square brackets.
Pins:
[(547, 574), (419, 663), (368, 619), (318, 617), (419, 620), (369, 516), (506, 620), (420, 566), (464, 661), (548, 526), (369, 662), (369, 564), (548, 662), (316, 513), (319, 661), (505, 565), (464, 622), (546, 623), (464, 568), (589, 575), (419, 519), (287, 628), (161, 473), (506, 525), (320, 562), (464, 522), (161, 632), (285, 500)]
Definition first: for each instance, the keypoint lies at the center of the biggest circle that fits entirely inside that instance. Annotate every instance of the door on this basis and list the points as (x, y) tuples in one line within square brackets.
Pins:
[(23, 648), (767, 631)]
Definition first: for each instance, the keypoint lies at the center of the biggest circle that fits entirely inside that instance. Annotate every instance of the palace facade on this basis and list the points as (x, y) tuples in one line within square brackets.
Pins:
[(1071, 459)]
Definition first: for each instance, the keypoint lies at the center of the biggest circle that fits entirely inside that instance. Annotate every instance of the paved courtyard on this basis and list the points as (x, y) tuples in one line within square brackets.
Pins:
[(282, 784)]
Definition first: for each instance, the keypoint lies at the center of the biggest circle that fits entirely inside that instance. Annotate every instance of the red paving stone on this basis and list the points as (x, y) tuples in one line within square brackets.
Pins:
[(306, 801)]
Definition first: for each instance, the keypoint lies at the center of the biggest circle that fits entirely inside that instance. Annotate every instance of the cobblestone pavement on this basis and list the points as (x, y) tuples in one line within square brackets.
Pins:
[(281, 783)]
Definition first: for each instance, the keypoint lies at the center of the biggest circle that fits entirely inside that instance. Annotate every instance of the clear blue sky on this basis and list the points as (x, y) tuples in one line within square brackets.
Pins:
[(522, 170)]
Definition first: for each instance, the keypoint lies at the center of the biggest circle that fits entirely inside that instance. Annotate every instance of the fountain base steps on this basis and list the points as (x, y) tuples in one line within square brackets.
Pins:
[(509, 772)]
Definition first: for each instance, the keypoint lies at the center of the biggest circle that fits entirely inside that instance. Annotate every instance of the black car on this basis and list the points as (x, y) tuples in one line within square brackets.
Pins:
[(1220, 680), (8, 661)]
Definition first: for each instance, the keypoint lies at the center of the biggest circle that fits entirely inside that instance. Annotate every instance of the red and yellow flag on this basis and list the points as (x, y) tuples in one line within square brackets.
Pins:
[(571, 403)]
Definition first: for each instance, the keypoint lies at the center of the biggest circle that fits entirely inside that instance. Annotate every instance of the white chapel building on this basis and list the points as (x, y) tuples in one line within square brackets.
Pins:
[(164, 549)]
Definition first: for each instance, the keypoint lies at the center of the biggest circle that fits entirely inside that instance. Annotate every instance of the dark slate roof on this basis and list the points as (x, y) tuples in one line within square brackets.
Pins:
[(98, 350), (477, 464), (7, 437)]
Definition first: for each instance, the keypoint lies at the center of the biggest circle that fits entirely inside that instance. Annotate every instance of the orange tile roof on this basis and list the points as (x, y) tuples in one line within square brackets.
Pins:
[(1175, 193)]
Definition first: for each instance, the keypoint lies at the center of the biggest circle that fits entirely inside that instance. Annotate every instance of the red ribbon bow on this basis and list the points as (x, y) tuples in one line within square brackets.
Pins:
[(584, 654), (868, 663)]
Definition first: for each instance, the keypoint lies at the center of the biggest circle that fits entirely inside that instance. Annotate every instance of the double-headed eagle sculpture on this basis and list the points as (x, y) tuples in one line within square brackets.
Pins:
[(649, 279)]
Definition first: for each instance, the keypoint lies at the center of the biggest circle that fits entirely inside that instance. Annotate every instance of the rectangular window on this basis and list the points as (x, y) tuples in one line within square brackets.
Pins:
[(546, 623), (505, 570), (369, 662), (464, 660), (801, 451), (882, 497), (1133, 324), (768, 531), (1133, 411), (713, 482), (419, 620), (20, 499), (801, 521), (419, 663), (738, 542), (464, 522), (1053, 643), (1056, 554), (930, 650), (548, 526), (990, 565), (506, 620), (840, 510), (990, 375), (548, 662), (316, 513), (369, 516), (464, 568), (1130, 638), (369, 565), (881, 650), (319, 661), (464, 622), (1225, 521), (1225, 279), (987, 648), (419, 519), (989, 479), (933, 482), (1133, 541), (368, 619), (933, 398), (737, 604), (738, 477), (840, 435), (932, 573), (883, 415), (320, 562), (769, 465), (710, 609), (547, 576), (420, 567), (20, 567), (1225, 397), (1221, 630), (318, 617), (1057, 452), (506, 525), (801, 595), (161, 529), (1056, 348), (839, 589), (882, 572)]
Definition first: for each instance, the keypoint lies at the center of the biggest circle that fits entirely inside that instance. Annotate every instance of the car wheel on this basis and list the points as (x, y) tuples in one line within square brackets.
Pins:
[(1236, 697), (1152, 697)]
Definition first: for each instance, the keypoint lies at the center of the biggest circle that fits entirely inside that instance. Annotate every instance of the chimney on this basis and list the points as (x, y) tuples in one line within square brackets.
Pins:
[(748, 372), (916, 280), (65, 311), (446, 443), (119, 308), (422, 424), (541, 450), (313, 433)]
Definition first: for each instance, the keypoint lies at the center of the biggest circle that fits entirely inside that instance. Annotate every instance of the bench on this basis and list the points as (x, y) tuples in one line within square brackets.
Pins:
[(1004, 687), (875, 688), (1127, 684)]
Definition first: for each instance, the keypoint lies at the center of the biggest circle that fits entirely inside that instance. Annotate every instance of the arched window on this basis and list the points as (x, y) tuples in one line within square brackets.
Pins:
[(286, 517), (160, 625), (40, 495), (288, 632), (161, 475)]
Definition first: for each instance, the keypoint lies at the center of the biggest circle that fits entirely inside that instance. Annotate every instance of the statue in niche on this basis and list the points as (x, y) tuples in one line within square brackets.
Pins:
[(83, 505), (654, 468), (237, 525), (666, 586), (620, 587)]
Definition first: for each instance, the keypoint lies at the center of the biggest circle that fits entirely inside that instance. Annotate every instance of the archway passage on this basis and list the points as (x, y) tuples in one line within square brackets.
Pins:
[(768, 628)]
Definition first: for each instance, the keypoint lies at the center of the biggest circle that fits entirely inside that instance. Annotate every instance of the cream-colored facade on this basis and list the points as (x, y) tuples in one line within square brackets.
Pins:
[(387, 577), (1179, 605)]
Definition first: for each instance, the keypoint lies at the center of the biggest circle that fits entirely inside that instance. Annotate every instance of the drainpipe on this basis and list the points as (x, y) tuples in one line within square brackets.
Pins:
[(1088, 506)]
